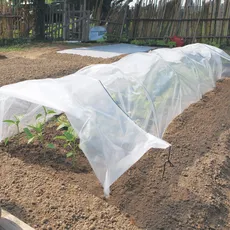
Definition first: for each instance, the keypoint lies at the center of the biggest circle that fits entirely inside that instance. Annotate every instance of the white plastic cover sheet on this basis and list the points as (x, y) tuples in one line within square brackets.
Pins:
[(107, 51), (120, 110)]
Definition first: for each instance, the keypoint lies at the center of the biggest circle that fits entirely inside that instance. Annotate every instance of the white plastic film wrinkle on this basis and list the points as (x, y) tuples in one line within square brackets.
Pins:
[(120, 110)]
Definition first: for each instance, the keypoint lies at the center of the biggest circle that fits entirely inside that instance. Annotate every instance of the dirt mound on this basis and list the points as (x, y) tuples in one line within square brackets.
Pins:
[(195, 192)]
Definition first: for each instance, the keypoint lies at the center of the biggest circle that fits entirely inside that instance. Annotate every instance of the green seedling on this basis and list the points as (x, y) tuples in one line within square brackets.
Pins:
[(63, 123), (36, 132), (46, 113), (6, 144), (6, 141), (70, 139), (15, 122)]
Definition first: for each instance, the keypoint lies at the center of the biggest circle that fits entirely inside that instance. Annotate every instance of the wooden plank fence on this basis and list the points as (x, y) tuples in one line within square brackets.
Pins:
[(15, 22), (64, 21), (195, 20)]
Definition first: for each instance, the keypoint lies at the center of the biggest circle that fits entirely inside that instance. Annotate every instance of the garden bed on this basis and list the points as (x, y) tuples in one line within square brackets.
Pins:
[(47, 192)]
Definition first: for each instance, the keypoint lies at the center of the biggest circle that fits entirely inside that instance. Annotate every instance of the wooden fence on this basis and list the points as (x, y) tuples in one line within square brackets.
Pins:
[(67, 21), (58, 21), (15, 22), (195, 20)]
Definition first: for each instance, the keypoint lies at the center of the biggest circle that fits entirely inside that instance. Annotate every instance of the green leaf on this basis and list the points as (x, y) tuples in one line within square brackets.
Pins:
[(28, 133), (60, 138), (10, 122), (17, 122), (65, 145), (37, 129), (39, 115), (50, 146), (19, 117), (31, 140), (45, 110), (69, 154), (61, 126), (68, 136), (6, 141), (51, 112), (31, 126)]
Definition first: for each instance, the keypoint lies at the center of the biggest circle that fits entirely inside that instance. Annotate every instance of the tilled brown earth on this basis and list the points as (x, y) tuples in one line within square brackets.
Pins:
[(47, 193), (195, 193), (42, 62)]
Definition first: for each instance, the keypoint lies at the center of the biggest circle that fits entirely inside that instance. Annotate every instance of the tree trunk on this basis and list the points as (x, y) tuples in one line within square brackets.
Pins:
[(39, 6), (99, 10)]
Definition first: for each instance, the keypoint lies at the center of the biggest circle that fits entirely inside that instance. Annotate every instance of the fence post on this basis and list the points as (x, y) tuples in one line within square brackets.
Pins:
[(40, 19), (123, 23), (65, 21), (84, 23)]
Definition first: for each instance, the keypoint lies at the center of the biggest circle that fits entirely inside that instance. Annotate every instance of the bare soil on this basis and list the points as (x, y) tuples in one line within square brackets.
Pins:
[(2, 57), (46, 192), (42, 62)]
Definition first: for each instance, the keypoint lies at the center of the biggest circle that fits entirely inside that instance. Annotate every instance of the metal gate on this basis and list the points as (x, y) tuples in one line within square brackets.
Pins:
[(63, 21)]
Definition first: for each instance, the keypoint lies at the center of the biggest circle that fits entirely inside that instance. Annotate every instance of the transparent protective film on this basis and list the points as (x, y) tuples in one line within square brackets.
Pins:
[(120, 110), (111, 141)]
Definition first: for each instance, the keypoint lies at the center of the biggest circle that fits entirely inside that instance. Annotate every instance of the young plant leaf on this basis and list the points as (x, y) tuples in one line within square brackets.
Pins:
[(19, 117), (17, 122), (39, 115), (69, 154), (37, 128), (6, 141), (10, 122), (68, 136), (61, 126), (50, 146), (31, 140), (28, 133), (44, 108), (60, 137), (50, 112)]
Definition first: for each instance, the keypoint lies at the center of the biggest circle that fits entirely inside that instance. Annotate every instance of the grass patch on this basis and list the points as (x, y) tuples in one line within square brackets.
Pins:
[(14, 47)]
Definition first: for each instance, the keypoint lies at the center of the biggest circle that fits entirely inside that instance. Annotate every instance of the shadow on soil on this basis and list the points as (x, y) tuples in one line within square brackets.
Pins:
[(8, 225), (13, 209), (151, 202), (34, 154), (55, 158), (154, 203)]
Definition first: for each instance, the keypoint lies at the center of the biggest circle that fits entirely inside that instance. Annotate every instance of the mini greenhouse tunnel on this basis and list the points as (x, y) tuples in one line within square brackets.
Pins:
[(120, 110)]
